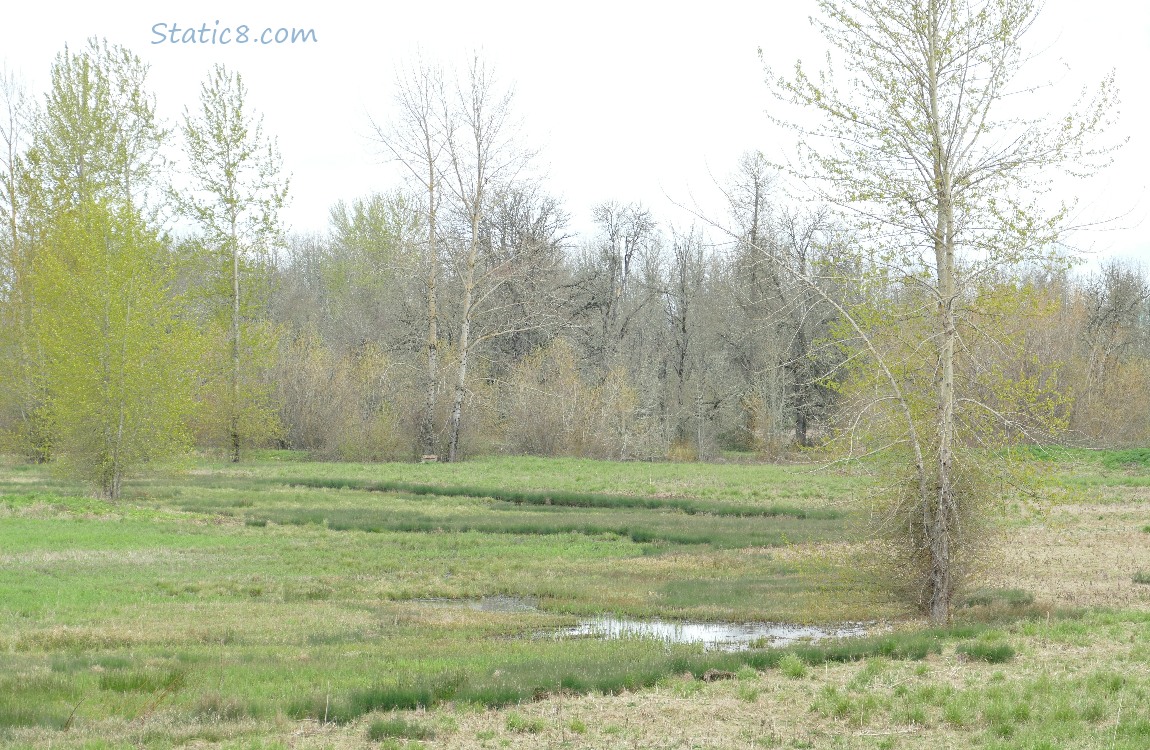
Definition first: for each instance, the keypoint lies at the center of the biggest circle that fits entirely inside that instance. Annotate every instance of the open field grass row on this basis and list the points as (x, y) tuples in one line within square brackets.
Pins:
[(977, 685), (130, 684), (488, 518), (752, 484), (575, 499)]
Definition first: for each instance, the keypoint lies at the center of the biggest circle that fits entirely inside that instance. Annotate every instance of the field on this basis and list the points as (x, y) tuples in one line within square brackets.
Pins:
[(287, 604)]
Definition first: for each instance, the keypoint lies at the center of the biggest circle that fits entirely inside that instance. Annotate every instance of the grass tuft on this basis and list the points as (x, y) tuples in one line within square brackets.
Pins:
[(522, 725), (792, 666), (382, 729), (142, 681), (991, 653)]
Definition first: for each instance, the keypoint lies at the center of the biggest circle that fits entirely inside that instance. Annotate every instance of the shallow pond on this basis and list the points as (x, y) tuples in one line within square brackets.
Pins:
[(716, 636)]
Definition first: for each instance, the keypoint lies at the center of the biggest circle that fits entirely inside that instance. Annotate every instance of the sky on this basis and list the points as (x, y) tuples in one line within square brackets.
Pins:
[(628, 101)]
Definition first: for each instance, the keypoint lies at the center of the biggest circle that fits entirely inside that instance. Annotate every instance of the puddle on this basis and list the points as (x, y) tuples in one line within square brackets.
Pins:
[(715, 636)]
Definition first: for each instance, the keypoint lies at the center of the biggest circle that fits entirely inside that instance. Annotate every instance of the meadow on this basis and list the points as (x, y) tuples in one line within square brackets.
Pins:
[(285, 603)]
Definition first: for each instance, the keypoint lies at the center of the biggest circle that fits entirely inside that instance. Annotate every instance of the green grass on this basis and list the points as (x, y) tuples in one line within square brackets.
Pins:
[(223, 597), (224, 593), (382, 729), (991, 653), (567, 498)]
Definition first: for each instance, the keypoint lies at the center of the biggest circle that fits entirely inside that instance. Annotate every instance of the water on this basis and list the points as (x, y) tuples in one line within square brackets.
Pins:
[(714, 636)]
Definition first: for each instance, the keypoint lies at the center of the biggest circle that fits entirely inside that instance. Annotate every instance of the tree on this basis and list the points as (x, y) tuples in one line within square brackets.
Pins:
[(417, 139), (937, 182), (238, 193), (481, 154), (628, 233), (17, 118), (779, 319), (114, 356), (119, 354)]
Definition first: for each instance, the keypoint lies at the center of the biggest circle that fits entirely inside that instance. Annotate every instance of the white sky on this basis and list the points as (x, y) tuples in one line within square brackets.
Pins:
[(632, 101)]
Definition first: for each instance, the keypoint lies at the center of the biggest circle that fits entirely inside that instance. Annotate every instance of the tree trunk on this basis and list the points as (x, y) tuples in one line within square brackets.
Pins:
[(464, 353), (427, 427), (942, 510), (234, 426), (465, 327)]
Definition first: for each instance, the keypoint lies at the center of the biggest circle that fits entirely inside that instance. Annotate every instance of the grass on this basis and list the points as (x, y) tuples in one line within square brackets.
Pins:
[(998, 597), (398, 726), (220, 605), (567, 498), (991, 653)]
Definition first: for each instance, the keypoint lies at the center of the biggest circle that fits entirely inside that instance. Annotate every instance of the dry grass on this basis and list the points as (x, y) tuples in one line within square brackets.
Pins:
[(1081, 556)]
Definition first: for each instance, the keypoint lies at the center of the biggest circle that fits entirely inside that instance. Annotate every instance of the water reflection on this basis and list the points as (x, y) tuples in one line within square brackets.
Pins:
[(717, 636)]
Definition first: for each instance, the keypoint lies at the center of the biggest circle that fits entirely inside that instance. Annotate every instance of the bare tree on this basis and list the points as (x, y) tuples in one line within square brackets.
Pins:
[(418, 139), (915, 151), (481, 154)]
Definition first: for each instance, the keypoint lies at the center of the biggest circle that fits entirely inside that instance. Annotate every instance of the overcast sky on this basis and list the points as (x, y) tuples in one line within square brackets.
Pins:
[(624, 100)]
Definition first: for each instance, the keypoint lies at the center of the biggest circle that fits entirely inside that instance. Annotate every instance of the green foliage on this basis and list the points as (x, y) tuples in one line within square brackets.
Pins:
[(236, 197), (120, 359), (116, 357), (1142, 576)]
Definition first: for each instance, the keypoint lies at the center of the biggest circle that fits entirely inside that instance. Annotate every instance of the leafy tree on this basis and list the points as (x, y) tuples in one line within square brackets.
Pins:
[(937, 182), (20, 401), (238, 193), (113, 358), (119, 354)]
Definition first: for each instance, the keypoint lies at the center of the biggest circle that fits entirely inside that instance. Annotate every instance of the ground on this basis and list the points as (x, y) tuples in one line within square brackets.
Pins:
[(285, 604)]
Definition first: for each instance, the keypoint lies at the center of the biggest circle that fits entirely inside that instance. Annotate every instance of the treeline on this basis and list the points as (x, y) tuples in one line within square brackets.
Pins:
[(151, 301)]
